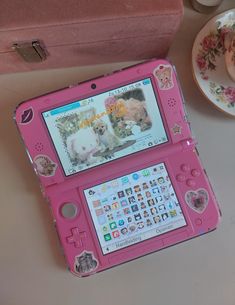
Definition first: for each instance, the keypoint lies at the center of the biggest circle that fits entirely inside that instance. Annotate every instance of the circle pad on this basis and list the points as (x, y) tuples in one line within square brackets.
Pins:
[(69, 210)]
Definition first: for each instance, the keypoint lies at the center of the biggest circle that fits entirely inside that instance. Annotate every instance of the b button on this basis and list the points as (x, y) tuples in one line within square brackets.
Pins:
[(190, 182), (69, 210), (180, 178)]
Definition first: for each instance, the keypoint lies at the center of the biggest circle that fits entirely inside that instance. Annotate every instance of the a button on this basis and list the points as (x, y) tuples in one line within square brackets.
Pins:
[(76, 238), (185, 168), (180, 178), (195, 173), (69, 210), (198, 221), (190, 182)]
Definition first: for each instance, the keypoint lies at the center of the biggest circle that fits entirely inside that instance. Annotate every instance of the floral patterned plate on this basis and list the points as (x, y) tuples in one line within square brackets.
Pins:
[(208, 61)]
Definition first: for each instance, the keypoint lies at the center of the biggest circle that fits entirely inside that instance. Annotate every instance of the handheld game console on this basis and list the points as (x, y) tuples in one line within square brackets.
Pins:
[(119, 166)]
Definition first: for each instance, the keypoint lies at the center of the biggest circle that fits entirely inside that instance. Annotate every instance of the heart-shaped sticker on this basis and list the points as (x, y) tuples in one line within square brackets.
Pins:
[(197, 200)]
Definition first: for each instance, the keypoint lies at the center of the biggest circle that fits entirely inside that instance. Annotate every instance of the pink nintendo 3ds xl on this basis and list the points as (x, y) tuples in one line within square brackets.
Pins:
[(119, 166)]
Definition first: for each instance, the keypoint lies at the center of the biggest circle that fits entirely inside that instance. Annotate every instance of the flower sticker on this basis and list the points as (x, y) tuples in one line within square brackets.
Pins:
[(177, 129)]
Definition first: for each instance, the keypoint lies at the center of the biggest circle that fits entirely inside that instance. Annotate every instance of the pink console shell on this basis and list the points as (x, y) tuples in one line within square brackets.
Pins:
[(180, 156)]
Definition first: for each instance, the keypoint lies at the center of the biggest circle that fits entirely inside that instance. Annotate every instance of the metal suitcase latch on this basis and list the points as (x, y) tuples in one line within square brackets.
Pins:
[(31, 51)]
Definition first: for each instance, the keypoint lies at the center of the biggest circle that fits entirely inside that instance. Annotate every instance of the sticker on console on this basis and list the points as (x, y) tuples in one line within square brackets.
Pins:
[(176, 129), (163, 74), (85, 263), (45, 166), (197, 200), (27, 116)]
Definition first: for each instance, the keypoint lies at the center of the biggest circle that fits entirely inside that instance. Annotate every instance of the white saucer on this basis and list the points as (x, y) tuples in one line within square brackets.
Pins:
[(208, 61)]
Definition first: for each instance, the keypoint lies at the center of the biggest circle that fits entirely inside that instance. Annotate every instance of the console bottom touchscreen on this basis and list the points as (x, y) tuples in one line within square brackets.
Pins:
[(134, 207)]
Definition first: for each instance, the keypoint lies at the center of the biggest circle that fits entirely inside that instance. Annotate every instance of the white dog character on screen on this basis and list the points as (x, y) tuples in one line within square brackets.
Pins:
[(107, 139), (82, 146)]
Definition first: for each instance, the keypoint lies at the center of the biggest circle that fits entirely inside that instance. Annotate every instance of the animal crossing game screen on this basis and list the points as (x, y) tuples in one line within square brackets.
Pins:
[(105, 127), (133, 208)]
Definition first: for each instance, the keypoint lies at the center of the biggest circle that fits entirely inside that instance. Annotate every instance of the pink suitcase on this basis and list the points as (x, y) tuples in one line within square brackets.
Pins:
[(53, 34)]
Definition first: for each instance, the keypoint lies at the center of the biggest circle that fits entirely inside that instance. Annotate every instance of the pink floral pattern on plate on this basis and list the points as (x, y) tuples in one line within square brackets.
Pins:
[(209, 64), (222, 94), (212, 45)]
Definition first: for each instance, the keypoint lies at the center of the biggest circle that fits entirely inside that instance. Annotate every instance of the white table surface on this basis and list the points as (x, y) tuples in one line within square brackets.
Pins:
[(32, 269)]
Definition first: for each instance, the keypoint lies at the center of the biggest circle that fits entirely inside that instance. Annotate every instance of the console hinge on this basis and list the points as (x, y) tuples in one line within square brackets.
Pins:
[(188, 143)]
